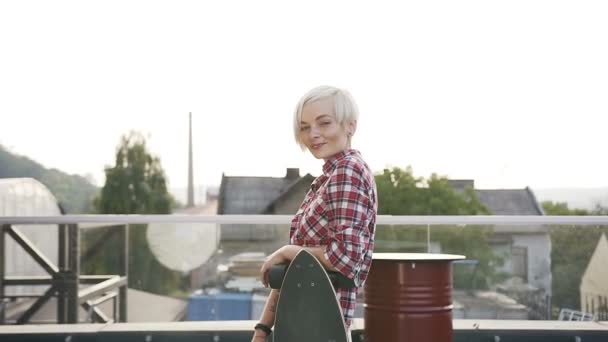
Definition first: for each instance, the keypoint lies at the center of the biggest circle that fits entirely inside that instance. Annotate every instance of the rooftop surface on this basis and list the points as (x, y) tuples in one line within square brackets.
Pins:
[(240, 331)]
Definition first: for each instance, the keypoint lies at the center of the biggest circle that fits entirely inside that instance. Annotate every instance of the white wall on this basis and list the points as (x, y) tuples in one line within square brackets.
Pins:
[(538, 247), (539, 258)]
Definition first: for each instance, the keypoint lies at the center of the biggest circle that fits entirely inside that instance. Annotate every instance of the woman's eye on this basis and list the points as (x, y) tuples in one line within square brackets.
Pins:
[(304, 128), (325, 123)]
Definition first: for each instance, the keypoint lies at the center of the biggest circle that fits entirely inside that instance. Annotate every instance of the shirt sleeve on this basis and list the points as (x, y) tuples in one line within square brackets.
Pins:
[(348, 204)]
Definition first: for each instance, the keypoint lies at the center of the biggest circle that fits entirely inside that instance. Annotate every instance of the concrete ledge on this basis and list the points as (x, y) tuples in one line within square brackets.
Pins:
[(236, 331)]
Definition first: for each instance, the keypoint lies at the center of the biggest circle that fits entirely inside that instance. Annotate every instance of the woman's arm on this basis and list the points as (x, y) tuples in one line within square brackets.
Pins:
[(350, 209), (288, 253), (268, 315)]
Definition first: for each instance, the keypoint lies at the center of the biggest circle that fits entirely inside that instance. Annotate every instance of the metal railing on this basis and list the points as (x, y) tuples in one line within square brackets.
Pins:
[(497, 220), (106, 289)]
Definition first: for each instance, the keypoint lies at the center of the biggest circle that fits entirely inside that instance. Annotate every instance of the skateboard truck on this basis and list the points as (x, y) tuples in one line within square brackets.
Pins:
[(277, 274)]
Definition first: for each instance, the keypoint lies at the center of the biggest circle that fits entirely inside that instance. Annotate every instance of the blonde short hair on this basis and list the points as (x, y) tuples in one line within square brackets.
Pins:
[(345, 108)]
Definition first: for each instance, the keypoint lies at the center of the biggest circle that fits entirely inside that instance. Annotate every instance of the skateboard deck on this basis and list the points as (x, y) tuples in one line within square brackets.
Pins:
[(307, 309)]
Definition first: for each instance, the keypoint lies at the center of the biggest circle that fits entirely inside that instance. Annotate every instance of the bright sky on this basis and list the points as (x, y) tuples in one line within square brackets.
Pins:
[(509, 93)]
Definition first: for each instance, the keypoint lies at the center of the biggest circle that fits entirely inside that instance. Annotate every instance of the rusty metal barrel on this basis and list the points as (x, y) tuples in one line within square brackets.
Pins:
[(408, 297)]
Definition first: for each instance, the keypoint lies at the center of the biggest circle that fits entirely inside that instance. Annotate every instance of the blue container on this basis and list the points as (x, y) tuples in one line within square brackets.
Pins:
[(219, 307)]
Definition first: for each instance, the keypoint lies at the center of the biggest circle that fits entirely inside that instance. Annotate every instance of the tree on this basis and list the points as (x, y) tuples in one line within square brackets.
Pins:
[(404, 194), (401, 193), (136, 184), (571, 250), (561, 209)]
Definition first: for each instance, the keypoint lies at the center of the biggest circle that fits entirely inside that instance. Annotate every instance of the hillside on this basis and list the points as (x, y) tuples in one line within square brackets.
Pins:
[(74, 192)]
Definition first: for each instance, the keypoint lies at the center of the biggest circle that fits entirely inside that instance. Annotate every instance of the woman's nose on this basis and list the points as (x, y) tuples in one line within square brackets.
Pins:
[(314, 131)]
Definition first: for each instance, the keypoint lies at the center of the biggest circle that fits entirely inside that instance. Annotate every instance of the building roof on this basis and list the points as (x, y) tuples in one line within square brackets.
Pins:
[(26, 197), (253, 195), (510, 201), (502, 201), (308, 179)]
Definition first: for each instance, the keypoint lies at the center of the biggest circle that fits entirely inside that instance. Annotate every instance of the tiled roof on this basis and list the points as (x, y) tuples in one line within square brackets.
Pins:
[(252, 195), (509, 201)]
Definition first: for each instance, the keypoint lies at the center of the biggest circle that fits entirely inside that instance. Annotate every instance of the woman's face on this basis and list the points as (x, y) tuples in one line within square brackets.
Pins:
[(320, 131)]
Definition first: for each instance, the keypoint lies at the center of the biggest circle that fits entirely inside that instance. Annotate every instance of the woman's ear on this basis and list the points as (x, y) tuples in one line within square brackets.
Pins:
[(351, 128)]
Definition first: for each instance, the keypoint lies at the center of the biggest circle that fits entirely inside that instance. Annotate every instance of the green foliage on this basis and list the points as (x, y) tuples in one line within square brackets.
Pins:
[(136, 184), (75, 193), (571, 250), (561, 209), (401, 193)]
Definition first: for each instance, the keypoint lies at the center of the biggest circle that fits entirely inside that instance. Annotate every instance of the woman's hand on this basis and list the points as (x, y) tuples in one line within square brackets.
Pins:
[(281, 255)]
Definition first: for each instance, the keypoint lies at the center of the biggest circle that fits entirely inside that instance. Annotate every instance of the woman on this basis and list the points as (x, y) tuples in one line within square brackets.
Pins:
[(336, 221)]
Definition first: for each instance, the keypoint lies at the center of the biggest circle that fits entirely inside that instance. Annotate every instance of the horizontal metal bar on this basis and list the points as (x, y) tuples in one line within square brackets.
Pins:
[(28, 280), (94, 279), (286, 219), (143, 219), (497, 220), (103, 299), (13, 322), (98, 289), (25, 295), (48, 280)]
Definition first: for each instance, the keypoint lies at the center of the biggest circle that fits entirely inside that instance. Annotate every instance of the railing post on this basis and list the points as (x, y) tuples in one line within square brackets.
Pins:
[(3, 228), (124, 271), (549, 309), (72, 277), (61, 288)]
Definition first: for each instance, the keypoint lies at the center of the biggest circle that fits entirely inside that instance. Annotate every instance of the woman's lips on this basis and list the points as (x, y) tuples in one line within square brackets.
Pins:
[(317, 146)]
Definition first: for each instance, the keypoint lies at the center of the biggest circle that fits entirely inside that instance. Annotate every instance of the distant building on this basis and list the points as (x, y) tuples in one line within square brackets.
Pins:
[(594, 284), (261, 196), (527, 249), (28, 197)]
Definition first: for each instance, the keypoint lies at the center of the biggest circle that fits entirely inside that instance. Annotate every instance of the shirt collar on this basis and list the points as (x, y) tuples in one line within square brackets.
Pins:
[(332, 162)]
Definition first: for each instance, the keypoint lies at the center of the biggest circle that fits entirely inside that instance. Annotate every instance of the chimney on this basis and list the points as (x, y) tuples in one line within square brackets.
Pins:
[(292, 173), (190, 203)]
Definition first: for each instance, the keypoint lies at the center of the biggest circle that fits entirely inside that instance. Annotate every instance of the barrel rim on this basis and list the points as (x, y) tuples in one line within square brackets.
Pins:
[(417, 256)]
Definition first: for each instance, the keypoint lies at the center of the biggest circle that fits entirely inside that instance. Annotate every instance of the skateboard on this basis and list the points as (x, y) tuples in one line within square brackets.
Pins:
[(307, 309)]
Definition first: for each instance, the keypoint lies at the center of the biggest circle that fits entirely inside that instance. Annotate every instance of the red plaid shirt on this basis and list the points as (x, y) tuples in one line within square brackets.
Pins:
[(339, 211)]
